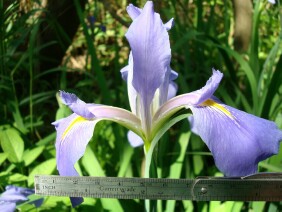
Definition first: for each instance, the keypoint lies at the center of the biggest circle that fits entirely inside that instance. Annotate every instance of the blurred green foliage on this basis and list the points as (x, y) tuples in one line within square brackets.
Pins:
[(89, 66)]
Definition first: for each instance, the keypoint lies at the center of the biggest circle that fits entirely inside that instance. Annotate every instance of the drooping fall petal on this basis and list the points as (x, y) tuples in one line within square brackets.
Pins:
[(237, 140), (73, 135)]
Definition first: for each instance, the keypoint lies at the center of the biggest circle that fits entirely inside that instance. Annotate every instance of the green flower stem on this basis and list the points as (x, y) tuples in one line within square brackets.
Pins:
[(150, 153), (151, 171)]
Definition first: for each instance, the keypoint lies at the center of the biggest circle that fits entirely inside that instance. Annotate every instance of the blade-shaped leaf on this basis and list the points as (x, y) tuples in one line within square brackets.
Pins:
[(12, 144)]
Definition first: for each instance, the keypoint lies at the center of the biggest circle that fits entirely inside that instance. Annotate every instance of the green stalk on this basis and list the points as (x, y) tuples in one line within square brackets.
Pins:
[(150, 155)]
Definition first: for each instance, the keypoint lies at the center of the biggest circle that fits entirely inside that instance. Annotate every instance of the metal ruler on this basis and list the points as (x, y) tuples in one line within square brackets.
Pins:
[(259, 187)]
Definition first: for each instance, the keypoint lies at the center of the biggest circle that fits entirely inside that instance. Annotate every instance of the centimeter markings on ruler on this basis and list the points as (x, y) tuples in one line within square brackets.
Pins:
[(200, 189)]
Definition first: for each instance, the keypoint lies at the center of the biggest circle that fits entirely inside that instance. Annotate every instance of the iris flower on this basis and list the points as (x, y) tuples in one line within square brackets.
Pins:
[(15, 194), (237, 140)]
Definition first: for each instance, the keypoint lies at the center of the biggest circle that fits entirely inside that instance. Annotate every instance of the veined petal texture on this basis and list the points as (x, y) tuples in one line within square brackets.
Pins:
[(133, 11), (151, 52), (73, 135), (237, 140), (76, 105)]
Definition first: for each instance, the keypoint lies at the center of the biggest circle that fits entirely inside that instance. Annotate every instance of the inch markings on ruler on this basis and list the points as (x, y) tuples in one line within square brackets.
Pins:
[(200, 189)]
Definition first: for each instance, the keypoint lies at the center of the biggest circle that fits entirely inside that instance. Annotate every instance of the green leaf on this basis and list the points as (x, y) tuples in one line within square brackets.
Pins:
[(46, 167), (91, 164), (176, 167), (30, 155), (125, 159), (93, 168), (16, 178), (47, 140), (3, 157), (12, 144)]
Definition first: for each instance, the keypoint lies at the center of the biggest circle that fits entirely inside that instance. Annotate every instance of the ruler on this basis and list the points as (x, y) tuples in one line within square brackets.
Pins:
[(259, 187)]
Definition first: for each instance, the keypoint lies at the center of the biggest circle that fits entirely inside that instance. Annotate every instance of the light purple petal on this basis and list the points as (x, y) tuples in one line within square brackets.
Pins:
[(15, 193), (133, 11), (151, 53), (272, 1), (73, 134), (124, 73), (173, 75), (207, 91), (11, 189), (7, 206), (134, 139), (169, 24), (237, 140), (76, 105), (190, 99), (168, 88), (172, 90), (13, 198), (127, 75)]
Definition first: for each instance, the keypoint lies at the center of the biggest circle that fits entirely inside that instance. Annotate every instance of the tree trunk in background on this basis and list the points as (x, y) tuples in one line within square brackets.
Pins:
[(243, 12), (61, 14)]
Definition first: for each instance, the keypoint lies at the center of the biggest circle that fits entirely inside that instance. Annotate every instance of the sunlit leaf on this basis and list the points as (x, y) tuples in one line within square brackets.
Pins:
[(30, 155), (45, 168), (12, 144)]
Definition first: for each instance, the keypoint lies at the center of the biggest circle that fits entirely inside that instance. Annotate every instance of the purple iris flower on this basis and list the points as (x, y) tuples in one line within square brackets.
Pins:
[(237, 140), (15, 194)]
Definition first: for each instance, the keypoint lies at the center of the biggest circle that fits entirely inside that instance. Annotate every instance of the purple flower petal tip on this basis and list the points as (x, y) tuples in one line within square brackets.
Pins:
[(169, 24), (68, 98), (208, 90), (133, 11), (76, 105)]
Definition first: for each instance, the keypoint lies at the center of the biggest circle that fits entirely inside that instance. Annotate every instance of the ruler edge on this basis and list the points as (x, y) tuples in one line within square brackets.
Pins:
[(193, 182)]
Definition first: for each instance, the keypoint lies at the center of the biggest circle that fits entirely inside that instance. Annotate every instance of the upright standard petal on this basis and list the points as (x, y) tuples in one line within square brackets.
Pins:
[(151, 53), (237, 140), (133, 11), (127, 75)]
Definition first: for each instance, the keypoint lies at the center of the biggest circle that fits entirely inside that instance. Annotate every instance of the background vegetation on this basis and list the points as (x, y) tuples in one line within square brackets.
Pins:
[(79, 46)]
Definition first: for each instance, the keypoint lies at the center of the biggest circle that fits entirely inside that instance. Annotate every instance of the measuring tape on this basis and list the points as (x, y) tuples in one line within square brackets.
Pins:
[(259, 187)]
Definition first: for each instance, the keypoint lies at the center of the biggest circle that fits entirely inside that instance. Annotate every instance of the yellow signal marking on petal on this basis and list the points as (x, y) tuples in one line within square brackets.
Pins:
[(75, 121), (212, 103)]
